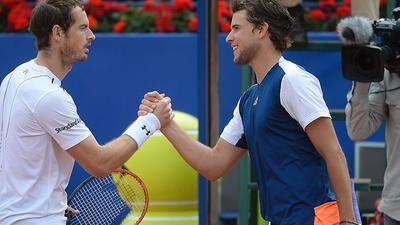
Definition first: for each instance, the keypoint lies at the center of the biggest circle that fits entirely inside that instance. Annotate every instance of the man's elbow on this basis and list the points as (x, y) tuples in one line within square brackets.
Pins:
[(98, 171), (213, 178), (355, 136), (212, 175), (99, 167)]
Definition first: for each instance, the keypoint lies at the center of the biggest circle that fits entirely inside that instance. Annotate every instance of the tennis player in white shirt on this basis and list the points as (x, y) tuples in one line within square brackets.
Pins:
[(41, 132)]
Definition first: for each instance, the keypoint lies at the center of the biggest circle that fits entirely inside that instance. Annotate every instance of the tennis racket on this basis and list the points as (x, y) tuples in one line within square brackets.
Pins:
[(109, 200)]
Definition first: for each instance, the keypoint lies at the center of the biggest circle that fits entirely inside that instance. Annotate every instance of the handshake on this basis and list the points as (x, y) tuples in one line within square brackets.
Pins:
[(159, 105), (155, 112)]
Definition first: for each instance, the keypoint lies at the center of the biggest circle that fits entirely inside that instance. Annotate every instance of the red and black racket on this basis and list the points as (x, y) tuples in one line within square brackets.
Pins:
[(109, 200)]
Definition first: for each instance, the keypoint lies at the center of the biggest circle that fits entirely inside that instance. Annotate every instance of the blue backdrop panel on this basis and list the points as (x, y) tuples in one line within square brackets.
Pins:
[(229, 81), (109, 86), (107, 89)]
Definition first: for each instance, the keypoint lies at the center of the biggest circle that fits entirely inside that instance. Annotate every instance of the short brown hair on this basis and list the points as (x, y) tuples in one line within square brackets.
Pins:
[(49, 13), (274, 14)]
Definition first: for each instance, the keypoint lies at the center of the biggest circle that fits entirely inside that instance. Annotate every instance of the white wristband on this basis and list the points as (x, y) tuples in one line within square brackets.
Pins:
[(142, 128)]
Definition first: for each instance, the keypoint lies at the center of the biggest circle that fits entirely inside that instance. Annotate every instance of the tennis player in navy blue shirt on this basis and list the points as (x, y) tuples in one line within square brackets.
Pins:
[(282, 122)]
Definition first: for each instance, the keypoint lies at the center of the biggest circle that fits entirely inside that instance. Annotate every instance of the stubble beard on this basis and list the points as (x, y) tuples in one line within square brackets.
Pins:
[(246, 55), (70, 55)]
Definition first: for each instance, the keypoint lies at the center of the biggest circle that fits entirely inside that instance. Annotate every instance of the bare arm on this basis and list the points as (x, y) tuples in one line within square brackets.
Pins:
[(323, 137), (212, 163), (101, 160), (364, 112)]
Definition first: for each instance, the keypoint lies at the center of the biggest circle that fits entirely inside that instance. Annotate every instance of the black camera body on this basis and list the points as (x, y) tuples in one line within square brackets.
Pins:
[(366, 63)]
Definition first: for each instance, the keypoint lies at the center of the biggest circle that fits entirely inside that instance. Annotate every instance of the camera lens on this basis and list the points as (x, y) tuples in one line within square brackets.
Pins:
[(365, 61), (362, 63)]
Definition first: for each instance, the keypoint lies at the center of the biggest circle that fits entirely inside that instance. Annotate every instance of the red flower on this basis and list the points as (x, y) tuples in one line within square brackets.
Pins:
[(108, 6), (95, 2), (193, 24), (149, 6), (224, 26), (119, 7), (343, 11), (347, 2), (1, 9), (223, 4), (163, 7), (164, 19), (164, 23), (382, 2), (18, 17), (327, 4), (223, 9), (97, 8), (179, 5), (317, 15), (92, 22), (12, 3), (98, 13), (119, 26), (19, 24)]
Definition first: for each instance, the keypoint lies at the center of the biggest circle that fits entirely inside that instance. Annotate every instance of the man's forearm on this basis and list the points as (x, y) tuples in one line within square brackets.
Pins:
[(323, 137), (364, 113), (116, 152), (340, 180), (99, 160), (197, 155)]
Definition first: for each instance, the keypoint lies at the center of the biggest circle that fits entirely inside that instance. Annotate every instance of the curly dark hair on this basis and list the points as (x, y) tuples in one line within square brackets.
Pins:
[(279, 21)]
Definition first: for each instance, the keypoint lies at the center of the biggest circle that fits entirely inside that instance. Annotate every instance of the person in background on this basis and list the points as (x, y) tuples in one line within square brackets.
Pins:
[(296, 10), (368, 106), (365, 8)]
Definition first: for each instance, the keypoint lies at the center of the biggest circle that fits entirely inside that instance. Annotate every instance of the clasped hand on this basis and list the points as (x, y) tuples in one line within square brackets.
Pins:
[(159, 105)]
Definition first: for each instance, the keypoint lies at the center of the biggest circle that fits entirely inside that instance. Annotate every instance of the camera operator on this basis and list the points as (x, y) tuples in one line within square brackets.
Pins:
[(374, 97), (369, 104)]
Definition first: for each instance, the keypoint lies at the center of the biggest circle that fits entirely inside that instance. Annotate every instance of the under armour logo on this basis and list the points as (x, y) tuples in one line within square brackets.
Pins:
[(145, 128), (255, 101), (25, 71)]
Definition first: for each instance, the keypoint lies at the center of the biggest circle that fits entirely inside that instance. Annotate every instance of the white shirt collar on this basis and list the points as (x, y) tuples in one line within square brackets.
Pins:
[(45, 71)]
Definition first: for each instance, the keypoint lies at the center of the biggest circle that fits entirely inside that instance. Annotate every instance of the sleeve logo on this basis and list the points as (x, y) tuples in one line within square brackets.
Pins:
[(68, 126)]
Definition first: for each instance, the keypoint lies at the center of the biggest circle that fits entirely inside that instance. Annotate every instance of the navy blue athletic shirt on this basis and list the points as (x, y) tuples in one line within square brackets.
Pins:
[(291, 174)]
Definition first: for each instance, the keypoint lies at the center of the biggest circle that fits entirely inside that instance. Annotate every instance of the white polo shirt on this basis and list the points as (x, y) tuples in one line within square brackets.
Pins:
[(38, 122)]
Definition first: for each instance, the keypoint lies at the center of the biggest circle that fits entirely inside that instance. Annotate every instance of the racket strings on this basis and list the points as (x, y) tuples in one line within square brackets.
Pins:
[(131, 191), (102, 201)]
